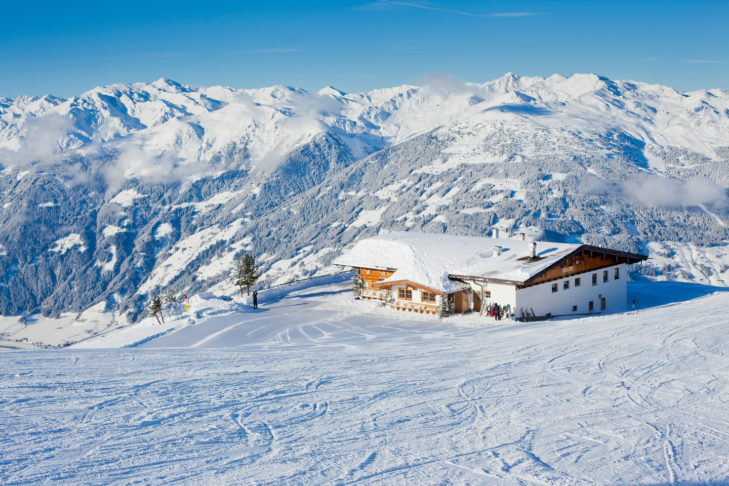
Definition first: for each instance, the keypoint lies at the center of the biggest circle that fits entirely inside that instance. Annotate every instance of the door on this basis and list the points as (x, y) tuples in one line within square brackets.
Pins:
[(603, 304), (461, 302)]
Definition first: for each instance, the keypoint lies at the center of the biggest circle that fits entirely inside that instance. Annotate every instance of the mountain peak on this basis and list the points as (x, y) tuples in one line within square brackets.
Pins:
[(166, 84), (331, 91)]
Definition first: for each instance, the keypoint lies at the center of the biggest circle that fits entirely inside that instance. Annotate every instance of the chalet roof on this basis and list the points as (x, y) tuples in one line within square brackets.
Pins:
[(433, 260)]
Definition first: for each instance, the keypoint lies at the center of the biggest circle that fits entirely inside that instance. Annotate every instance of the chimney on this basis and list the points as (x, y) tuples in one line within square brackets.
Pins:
[(522, 236), (534, 249)]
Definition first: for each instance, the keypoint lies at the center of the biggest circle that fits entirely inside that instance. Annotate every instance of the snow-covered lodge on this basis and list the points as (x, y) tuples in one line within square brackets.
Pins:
[(529, 279)]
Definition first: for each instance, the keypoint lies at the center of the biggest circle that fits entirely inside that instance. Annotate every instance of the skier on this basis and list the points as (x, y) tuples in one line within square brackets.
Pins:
[(497, 311), (255, 299)]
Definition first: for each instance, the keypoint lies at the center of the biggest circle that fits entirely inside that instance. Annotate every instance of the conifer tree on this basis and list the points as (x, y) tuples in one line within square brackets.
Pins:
[(246, 274), (170, 297), (155, 309), (444, 309), (357, 286), (387, 298)]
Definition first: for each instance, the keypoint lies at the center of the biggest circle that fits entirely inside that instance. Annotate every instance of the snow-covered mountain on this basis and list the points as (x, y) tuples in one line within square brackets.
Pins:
[(130, 189)]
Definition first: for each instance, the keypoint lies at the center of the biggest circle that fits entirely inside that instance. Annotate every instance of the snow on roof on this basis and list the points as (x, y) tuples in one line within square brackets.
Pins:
[(429, 259)]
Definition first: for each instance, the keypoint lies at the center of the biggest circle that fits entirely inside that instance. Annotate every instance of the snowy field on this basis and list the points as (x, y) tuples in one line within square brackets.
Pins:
[(315, 388)]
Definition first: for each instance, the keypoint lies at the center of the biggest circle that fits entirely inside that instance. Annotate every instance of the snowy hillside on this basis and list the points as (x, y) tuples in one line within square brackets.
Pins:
[(127, 190), (315, 388)]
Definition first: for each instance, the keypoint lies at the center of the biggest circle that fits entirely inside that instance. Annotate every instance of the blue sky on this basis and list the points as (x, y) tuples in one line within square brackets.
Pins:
[(66, 48)]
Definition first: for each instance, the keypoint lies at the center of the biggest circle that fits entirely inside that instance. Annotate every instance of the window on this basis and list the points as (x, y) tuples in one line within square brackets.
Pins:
[(566, 284), (617, 273), (578, 281), (603, 304), (591, 306), (594, 279), (427, 296), (574, 308), (405, 294), (605, 276), (554, 288)]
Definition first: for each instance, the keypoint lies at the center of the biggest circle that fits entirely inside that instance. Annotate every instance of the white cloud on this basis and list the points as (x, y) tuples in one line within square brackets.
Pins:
[(389, 4), (704, 61), (133, 162), (445, 84), (653, 190), (41, 142), (658, 191)]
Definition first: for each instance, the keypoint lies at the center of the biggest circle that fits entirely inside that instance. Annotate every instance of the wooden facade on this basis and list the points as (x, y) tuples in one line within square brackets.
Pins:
[(460, 301), (371, 276), (409, 284), (584, 260)]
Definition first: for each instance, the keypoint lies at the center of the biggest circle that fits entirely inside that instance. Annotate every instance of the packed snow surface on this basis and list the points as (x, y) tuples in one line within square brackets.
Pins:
[(316, 388), (429, 259)]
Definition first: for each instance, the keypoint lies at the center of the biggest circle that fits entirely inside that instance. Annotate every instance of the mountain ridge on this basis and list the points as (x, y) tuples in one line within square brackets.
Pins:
[(131, 188)]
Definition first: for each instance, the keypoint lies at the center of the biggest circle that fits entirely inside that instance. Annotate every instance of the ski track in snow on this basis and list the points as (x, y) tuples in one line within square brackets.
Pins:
[(300, 393)]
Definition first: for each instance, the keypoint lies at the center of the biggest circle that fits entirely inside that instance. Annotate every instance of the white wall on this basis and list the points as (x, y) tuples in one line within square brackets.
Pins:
[(502, 294), (542, 300)]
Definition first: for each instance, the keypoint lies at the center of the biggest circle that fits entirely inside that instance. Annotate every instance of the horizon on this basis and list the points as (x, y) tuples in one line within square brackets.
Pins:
[(358, 46), (427, 80)]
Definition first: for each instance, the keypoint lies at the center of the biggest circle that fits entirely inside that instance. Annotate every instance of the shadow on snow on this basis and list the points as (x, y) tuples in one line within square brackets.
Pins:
[(653, 294)]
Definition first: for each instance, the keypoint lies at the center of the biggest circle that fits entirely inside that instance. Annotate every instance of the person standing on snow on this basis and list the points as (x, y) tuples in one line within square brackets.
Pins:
[(255, 299)]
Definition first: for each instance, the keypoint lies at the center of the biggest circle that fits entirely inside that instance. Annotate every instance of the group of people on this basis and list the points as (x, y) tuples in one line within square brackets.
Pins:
[(496, 311)]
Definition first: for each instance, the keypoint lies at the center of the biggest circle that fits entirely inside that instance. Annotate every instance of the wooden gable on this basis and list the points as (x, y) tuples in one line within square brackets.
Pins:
[(372, 275), (584, 259)]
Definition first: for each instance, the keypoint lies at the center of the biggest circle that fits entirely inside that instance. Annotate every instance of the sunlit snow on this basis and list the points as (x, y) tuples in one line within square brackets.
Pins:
[(315, 388), (62, 245)]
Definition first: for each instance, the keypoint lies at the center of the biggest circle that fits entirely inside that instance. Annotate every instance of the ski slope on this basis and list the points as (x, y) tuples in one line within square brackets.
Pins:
[(314, 388)]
